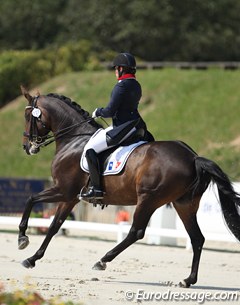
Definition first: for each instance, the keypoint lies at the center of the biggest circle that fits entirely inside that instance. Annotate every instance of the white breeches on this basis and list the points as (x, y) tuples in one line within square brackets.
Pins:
[(98, 141)]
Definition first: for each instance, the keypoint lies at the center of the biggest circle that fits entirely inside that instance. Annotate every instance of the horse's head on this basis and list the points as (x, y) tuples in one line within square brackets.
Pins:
[(58, 114), (36, 129)]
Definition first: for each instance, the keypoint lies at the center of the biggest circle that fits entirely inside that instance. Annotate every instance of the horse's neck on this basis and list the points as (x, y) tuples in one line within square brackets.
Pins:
[(71, 130), (74, 145), (60, 125), (62, 116), (75, 140)]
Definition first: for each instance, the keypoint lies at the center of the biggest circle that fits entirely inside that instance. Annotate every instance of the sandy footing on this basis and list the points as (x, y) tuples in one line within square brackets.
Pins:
[(142, 273)]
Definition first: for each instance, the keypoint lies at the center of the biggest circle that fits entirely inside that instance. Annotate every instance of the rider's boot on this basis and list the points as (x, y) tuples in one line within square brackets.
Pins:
[(95, 190)]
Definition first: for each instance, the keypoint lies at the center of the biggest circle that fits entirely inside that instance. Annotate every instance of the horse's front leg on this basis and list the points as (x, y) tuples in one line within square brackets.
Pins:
[(62, 213), (46, 196), (23, 240)]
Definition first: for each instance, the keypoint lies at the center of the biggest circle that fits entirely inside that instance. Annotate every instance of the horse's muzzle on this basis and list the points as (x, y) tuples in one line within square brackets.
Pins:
[(25, 147), (31, 149)]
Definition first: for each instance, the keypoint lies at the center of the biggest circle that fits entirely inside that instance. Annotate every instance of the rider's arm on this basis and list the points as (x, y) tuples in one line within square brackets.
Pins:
[(114, 103)]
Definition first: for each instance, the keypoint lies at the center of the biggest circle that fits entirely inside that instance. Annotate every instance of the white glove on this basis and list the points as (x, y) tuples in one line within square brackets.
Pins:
[(94, 114)]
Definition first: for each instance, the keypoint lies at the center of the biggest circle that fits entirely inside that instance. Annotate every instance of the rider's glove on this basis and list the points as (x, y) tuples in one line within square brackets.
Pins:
[(94, 114)]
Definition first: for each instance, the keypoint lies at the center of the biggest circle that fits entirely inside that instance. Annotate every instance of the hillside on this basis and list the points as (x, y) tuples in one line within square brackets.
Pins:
[(200, 108)]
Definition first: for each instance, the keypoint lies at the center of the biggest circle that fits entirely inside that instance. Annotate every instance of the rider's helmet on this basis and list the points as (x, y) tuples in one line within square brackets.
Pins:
[(125, 60)]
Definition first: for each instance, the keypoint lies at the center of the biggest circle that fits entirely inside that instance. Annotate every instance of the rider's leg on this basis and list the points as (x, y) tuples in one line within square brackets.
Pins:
[(95, 191), (97, 144)]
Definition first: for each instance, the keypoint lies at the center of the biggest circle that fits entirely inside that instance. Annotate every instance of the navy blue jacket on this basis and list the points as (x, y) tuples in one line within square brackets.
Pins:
[(123, 104)]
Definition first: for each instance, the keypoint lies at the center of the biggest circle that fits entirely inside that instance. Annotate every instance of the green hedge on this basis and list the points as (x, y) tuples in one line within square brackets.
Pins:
[(20, 68), (30, 68)]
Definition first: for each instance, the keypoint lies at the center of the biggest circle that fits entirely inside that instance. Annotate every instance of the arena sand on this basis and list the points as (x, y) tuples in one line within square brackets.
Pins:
[(143, 273)]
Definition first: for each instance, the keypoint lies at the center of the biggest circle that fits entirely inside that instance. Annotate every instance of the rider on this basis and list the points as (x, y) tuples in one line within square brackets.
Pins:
[(126, 120)]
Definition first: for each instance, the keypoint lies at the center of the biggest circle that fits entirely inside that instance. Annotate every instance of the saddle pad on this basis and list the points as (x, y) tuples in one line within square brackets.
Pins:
[(116, 161)]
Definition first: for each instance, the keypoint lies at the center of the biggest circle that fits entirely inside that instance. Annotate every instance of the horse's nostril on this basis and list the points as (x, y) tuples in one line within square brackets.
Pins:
[(26, 148)]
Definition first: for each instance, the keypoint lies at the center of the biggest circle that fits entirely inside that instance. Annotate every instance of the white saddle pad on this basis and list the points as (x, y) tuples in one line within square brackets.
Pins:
[(116, 161)]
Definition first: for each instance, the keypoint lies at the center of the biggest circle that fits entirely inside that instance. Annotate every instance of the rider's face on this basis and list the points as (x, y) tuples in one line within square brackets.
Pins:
[(117, 71)]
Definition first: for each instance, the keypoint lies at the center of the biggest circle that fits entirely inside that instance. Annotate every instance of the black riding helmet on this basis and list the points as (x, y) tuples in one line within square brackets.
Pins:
[(124, 60)]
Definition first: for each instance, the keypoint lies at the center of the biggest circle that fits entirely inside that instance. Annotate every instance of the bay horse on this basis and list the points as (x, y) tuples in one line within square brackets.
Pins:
[(155, 174)]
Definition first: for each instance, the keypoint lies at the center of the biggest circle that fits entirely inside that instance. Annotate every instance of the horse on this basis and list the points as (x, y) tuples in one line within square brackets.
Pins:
[(156, 173)]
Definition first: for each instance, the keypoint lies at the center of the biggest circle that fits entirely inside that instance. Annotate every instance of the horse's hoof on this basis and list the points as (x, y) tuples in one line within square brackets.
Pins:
[(184, 284), (23, 242), (27, 264), (100, 266)]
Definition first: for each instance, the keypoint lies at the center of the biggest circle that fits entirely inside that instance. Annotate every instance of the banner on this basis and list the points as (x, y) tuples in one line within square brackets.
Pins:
[(14, 193)]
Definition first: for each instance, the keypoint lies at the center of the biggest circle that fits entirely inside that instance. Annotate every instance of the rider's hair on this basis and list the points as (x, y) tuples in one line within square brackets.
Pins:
[(130, 70)]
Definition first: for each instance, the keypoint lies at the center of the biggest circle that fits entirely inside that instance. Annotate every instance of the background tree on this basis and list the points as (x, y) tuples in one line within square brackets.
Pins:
[(28, 24), (189, 30)]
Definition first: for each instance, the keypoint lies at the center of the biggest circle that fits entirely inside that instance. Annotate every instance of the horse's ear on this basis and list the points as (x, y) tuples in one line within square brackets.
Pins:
[(26, 94)]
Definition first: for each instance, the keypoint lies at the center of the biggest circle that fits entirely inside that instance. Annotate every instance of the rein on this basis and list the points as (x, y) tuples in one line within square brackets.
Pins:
[(52, 138), (42, 141)]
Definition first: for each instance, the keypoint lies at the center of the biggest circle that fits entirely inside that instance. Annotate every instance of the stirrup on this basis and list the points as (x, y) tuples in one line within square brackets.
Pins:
[(92, 193)]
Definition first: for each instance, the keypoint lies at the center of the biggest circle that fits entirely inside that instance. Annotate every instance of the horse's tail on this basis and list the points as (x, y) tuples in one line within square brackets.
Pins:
[(207, 171)]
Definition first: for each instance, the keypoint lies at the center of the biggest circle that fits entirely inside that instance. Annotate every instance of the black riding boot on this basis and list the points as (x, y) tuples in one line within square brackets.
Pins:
[(95, 190)]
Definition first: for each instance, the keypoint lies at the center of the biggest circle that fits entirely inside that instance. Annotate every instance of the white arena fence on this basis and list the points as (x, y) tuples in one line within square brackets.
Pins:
[(120, 229), (164, 227)]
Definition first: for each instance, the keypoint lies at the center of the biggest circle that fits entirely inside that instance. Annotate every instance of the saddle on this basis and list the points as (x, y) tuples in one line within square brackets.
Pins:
[(113, 160)]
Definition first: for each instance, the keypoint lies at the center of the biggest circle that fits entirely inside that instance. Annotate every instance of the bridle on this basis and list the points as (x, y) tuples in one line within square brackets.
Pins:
[(42, 141)]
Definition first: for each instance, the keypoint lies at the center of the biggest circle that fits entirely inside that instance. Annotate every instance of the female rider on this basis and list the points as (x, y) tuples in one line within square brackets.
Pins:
[(126, 120)]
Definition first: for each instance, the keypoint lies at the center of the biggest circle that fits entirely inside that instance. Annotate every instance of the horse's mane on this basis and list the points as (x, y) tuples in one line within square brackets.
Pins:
[(75, 106)]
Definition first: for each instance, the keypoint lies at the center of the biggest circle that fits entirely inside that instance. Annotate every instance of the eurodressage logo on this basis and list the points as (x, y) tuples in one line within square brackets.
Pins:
[(200, 297)]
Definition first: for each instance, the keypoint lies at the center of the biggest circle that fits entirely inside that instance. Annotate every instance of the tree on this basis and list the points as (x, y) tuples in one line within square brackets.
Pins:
[(28, 24), (190, 30)]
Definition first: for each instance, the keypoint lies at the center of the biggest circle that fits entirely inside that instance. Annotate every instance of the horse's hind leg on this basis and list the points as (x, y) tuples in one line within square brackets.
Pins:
[(187, 213), (141, 217), (62, 213)]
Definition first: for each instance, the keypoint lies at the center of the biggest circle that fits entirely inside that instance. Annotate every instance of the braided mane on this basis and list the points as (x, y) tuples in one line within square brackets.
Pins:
[(75, 106)]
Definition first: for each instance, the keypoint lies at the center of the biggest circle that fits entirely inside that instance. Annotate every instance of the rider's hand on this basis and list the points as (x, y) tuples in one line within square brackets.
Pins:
[(94, 114)]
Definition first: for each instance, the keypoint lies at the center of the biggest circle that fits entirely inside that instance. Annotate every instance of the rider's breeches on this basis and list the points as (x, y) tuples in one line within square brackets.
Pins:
[(98, 141)]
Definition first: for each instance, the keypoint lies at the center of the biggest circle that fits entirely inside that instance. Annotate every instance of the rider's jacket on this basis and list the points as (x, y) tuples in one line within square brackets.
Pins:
[(123, 104)]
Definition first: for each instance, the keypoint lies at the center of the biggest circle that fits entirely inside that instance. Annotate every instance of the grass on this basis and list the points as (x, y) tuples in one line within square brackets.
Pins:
[(198, 107)]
